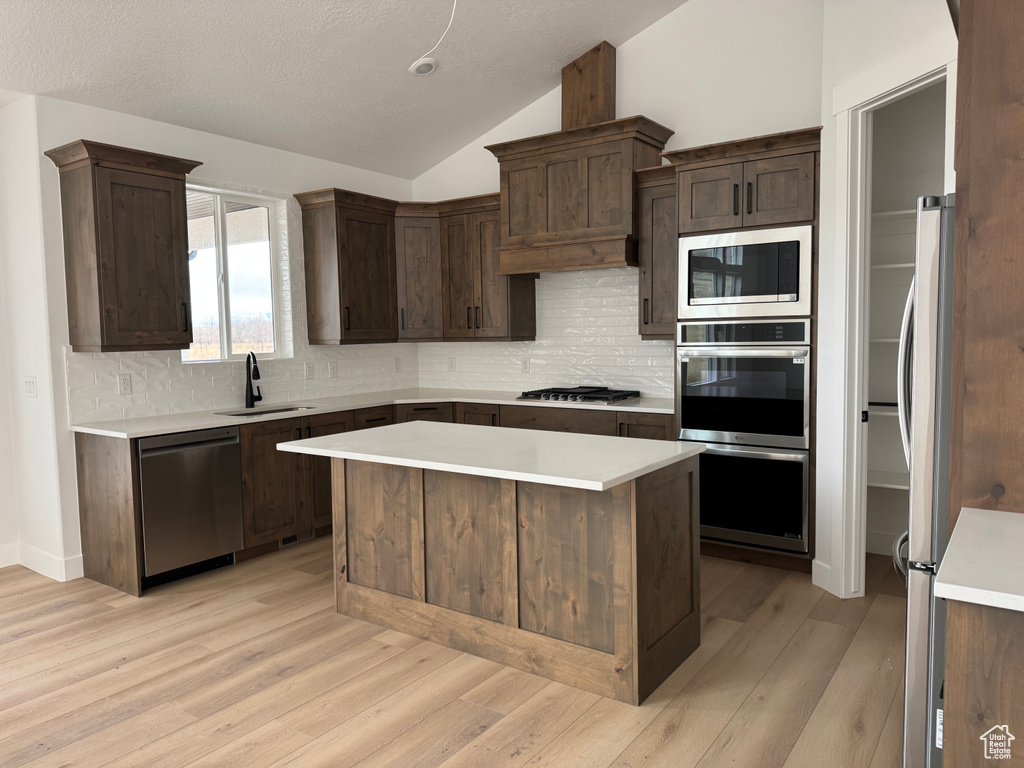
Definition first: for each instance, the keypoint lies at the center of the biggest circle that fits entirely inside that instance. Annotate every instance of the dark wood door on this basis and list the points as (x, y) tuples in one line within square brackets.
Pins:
[(653, 426), (273, 482), (778, 190), (580, 420), (366, 253), (321, 505), (490, 314), (477, 413), (418, 260), (710, 198), (459, 272), (424, 412), (143, 259), (379, 416), (659, 261)]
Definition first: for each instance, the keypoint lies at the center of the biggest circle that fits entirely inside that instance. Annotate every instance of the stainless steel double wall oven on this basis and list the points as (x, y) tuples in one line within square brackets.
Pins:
[(743, 386)]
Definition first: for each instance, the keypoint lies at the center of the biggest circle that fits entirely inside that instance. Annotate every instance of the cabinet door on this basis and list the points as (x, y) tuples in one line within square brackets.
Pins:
[(380, 416), (273, 482), (709, 198), (554, 419), (458, 276), (321, 505), (779, 190), (490, 312), (652, 426), (143, 243), (323, 284), (477, 413), (366, 253), (423, 412), (418, 260), (659, 261)]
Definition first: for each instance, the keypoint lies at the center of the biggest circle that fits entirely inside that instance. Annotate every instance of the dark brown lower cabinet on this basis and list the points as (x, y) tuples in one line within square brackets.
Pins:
[(319, 468), (653, 426), (424, 412), (287, 495), (378, 416), (581, 420), (273, 482), (477, 413), (984, 680)]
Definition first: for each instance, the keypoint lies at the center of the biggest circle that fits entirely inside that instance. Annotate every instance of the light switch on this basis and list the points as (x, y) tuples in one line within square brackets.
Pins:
[(30, 387)]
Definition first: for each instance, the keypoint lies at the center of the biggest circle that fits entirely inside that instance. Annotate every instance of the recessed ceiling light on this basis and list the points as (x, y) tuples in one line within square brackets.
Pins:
[(425, 65)]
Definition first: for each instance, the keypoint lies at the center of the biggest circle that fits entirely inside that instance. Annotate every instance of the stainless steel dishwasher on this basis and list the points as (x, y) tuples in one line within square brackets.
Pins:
[(191, 497)]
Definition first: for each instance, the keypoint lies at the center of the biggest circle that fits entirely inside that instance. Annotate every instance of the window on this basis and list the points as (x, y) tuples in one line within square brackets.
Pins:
[(231, 272)]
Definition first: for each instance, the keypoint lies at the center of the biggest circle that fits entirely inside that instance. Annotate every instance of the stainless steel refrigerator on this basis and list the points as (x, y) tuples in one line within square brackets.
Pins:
[(926, 348)]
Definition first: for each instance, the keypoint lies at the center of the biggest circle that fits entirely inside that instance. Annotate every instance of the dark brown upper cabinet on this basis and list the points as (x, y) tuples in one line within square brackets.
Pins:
[(479, 302), (349, 247), (658, 253), (418, 265), (756, 182), (568, 198), (125, 247)]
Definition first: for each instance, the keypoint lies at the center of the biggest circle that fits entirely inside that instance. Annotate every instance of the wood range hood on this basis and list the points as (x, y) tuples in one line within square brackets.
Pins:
[(568, 199)]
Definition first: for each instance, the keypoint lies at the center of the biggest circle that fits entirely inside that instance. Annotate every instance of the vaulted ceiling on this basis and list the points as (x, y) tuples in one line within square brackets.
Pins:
[(326, 78)]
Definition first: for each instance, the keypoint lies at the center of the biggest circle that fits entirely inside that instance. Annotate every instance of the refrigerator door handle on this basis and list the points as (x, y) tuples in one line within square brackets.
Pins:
[(898, 545), (905, 361)]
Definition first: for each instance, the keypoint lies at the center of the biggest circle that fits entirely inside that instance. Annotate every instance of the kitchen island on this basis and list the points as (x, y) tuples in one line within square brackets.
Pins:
[(574, 557)]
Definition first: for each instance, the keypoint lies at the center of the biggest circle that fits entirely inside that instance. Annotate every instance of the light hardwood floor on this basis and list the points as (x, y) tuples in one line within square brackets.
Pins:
[(250, 666)]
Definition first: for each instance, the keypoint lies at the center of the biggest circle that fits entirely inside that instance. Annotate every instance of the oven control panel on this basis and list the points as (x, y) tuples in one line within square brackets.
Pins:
[(764, 332)]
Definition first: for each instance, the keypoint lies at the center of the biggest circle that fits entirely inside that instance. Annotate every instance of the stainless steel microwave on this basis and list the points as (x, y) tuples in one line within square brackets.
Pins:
[(746, 273)]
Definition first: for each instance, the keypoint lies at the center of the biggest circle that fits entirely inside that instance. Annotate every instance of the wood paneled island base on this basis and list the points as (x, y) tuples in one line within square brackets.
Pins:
[(598, 589)]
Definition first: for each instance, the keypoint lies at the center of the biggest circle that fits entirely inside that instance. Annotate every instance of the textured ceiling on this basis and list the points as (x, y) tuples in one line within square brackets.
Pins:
[(326, 78)]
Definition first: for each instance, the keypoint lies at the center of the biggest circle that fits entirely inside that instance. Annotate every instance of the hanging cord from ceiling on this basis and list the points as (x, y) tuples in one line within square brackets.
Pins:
[(424, 65)]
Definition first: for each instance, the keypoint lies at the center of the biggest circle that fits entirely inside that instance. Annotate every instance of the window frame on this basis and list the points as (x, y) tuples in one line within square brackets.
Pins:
[(224, 279)]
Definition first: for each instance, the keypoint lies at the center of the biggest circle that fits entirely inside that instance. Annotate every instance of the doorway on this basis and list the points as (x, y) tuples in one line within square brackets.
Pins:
[(905, 159)]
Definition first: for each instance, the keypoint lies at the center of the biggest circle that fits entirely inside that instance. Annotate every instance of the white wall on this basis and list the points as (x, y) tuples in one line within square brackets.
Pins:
[(9, 502), (35, 310), (33, 428), (876, 37)]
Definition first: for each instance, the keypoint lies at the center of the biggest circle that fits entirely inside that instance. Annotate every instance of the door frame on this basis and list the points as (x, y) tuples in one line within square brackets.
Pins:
[(853, 105)]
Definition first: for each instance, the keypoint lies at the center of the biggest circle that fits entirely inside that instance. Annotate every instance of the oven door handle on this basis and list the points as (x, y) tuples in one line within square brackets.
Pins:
[(794, 352), (749, 452)]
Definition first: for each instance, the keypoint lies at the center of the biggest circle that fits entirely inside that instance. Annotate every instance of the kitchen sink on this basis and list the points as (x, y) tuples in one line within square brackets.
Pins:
[(252, 412)]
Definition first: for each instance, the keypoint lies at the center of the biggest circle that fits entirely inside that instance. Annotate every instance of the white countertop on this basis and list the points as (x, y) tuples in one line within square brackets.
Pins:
[(185, 422), (590, 462), (983, 563)]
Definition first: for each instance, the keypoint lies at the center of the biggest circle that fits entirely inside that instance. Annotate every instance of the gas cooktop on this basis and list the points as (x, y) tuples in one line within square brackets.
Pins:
[(580, 394)]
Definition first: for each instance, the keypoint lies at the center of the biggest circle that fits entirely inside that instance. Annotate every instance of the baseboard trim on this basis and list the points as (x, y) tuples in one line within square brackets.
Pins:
[(8, 554), (51, 566), (821, 575)]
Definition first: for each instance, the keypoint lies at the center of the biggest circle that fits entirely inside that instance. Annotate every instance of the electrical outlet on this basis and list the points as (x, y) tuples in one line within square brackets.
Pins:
[(398, 365), (451, 363), (332, 369), (526, 365), (310, 371), (30, 387), (124, 383)]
